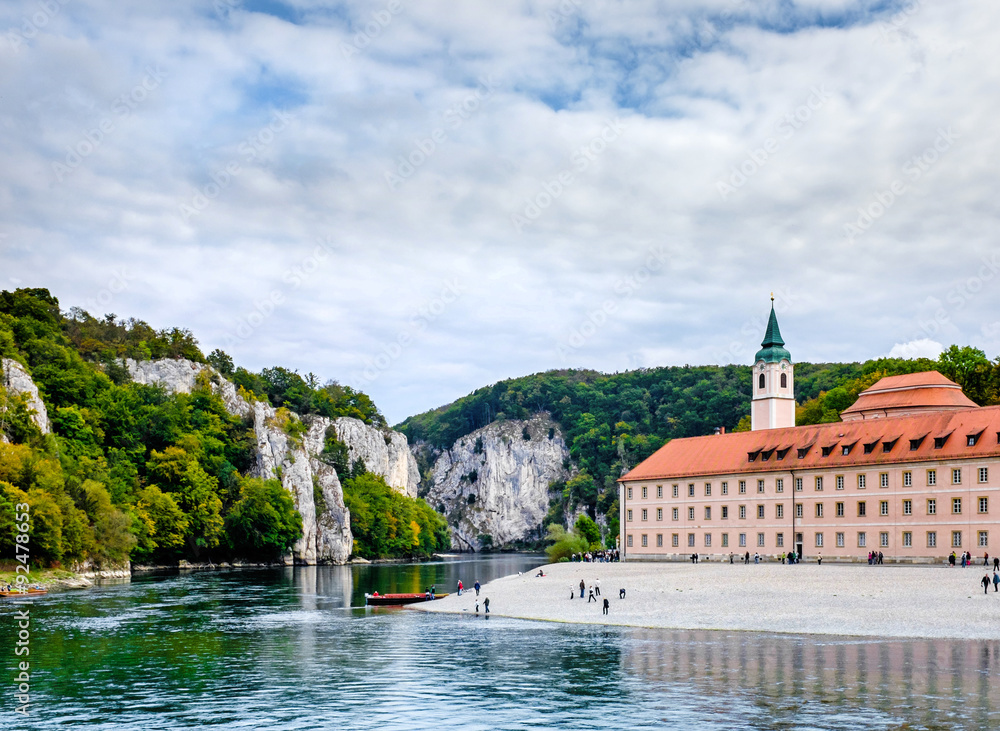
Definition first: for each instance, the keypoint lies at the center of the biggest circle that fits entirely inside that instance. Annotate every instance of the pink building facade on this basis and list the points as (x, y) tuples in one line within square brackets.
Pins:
[(913, 473)]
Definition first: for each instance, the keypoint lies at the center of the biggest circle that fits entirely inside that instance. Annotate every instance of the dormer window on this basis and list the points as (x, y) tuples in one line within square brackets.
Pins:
[(940, 441), (972, 439), (766, 454), (827, 450), (915, 443), (803, 451), (845, 450), (870, 447), (887, 446), (752, 456), (782, 453)]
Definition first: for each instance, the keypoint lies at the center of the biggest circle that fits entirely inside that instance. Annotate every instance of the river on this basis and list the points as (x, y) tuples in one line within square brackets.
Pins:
[(296, 649)]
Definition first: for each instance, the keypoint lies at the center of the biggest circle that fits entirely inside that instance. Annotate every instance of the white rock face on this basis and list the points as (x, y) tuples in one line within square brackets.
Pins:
[(326, 532), (16, 380), (510, 484), (386, 454)]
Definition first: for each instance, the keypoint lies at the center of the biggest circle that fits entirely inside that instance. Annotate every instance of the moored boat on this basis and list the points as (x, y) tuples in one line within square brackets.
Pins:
[(14, 593), (394, 600)]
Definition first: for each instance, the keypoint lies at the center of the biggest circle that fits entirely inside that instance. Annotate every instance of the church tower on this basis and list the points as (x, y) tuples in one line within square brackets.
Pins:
[(773, 404)]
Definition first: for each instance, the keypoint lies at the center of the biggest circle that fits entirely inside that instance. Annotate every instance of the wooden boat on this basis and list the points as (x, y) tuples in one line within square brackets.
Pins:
[(15, 594), (395, 600)]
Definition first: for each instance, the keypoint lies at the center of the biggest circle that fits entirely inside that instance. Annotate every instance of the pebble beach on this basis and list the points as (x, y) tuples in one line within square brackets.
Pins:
[(830, 599)]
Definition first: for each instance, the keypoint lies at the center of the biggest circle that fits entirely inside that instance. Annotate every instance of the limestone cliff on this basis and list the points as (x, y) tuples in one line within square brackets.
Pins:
[(495, 482), (295, 461), (16, 380)]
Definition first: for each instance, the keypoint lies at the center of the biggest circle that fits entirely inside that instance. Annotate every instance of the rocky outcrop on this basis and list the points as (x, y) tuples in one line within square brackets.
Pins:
[(384, 453), (495, 482), (16, 380), (295, 460)]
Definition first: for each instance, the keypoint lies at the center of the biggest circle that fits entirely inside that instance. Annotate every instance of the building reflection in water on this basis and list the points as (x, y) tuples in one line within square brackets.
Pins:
[(924, 680)]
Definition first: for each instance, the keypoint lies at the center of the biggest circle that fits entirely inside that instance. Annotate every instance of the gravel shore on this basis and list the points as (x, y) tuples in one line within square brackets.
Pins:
[(833, 599)]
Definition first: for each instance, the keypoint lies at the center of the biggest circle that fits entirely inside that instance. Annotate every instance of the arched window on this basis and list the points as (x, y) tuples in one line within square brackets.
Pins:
[(784, 380), (760, 382)]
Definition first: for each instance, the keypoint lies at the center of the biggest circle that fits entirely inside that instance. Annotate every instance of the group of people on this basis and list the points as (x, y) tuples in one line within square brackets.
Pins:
[(986, 581), (967, 560), (607, 556), (875, 558), (461, 587), (595, 591)]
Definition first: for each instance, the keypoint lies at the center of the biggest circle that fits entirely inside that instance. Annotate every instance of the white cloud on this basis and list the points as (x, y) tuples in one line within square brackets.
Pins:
[(699, 93), (923, 348)]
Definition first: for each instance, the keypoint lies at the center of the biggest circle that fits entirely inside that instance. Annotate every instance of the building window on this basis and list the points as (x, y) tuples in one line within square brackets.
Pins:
[(760, 540), (659, 513), (956, 477), (675, 540), (819, 483), (645, 514), (674, 488), (931, 539), (760, 511), (779, 511), (883, 479), (840, 510), (690, 513), (840, 482), (743, 487), (760, 486), (725, 512), (659, 491), (628, 515), (674, 515), (659, 540), (984, 505), (743, 540), (779, 540), (691, 490), (645, 540), (956, 505), (907, 539), (798, 510), (883, 540), (784, 380), (907, 479), (779, 485), (725, 488), (690, 540), (708, 540), (708, 489), (645, 493), (862, 539), (629, 492), (861, 508), (840, 540), (743, 512), (819, 540), (628, 541), (931, 477), (798, 484), (725, 540), (984, 474), (932, 507), (708, 513), (819, 510), (983, 536), (760, 382), (883, 507), (956, 539), (862, 482), (907, 507)]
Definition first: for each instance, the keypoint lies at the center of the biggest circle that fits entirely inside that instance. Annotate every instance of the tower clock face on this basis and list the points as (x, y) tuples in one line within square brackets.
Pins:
[(784, 366)]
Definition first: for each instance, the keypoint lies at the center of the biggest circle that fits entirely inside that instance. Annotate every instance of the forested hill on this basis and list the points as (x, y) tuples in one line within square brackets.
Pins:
[(130, 471), (612, 422)]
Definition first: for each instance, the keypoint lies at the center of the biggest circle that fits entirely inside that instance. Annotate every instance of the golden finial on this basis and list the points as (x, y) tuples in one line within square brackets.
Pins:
[(772, 296)]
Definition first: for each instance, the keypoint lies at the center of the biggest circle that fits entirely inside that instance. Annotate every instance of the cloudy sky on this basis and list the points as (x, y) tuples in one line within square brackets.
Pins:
[(419, 197)]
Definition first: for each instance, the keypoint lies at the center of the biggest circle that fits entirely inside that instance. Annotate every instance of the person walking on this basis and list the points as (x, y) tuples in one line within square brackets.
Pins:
[(476, 587), (986, 559), (486, 604), (996, 563), (986, 583), (597, 587), (591, 597), (951, 559), (880, 557), (746, 558), (621, 593), (819, 560), (756, 558), (963, 560), (460, 587), (606, 605), (730, 558), (582, 587), (996, 580)]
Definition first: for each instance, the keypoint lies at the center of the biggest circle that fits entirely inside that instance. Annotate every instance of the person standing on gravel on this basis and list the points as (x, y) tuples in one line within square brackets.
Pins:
[(582, 587), (477, 587), (606, 605), (996, 580), (986, 583)]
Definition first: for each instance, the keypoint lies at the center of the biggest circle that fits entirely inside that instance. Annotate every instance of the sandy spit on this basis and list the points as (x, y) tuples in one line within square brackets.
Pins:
[(833, 599)]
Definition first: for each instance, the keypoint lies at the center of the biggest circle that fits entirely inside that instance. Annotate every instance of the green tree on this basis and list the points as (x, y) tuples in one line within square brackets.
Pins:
[(263, 524), (587, 529)]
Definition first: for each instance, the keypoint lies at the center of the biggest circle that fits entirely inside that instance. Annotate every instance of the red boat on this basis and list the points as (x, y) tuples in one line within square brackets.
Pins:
[(395, 600), (15, 594)]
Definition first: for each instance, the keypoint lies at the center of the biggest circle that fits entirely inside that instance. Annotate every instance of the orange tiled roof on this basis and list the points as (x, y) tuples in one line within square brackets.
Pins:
[(928, 390), (729, 453)]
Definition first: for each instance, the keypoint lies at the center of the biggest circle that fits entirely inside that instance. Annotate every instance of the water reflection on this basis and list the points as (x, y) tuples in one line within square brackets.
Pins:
[(926, 681)]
